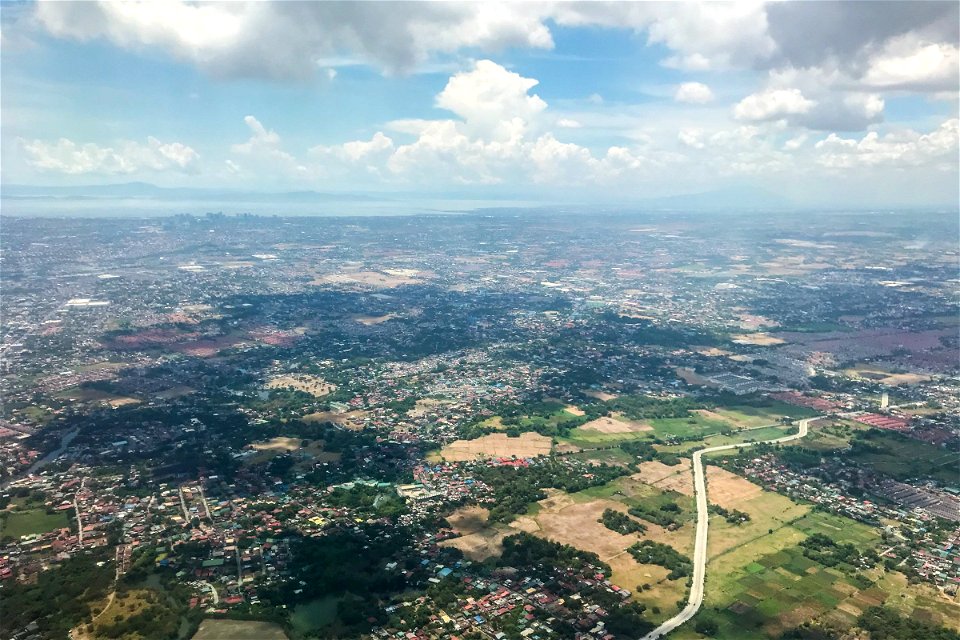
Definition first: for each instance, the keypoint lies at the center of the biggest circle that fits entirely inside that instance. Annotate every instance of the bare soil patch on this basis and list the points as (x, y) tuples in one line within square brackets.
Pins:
[(677, 478), (317, 387), (600, 395), (612, 425), (350, 420), (729, 490), (761, 339), (496, 445), (575, 411)]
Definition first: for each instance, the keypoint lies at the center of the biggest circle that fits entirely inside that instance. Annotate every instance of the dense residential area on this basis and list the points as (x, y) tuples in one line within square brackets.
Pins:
[(375, 431)]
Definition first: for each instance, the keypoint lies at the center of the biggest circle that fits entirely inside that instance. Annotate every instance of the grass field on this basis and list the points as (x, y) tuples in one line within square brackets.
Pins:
[(239, 630), (22, 523), (754, 435), (314, 615), (763, 585), (769, 413)]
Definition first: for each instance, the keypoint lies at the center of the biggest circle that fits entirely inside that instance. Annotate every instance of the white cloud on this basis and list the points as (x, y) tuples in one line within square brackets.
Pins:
[(795, 143), (907, 63), (127, 157), (691, 138), (492, 101), (694, 93), (263, 152), (283, 40), (568, 123), (772, 105), (900, 149)]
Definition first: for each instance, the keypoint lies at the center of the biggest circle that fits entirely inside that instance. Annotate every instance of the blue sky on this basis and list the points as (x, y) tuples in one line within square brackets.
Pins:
[(608, 101)]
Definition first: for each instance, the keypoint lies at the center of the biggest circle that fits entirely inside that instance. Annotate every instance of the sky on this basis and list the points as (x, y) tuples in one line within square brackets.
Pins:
[(821, 103)]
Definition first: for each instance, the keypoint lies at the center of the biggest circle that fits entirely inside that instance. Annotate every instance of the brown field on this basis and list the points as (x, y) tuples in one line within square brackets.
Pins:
[(729, 490), (86, 394), (277, 444), (176, 391), (350, 420), (611, 425), (495, 445), (575, 411), (314, 451), (886, 377), (692, 377), (601, 396), (239, 630), (317, 387), (712, 352), (760, 339), (373, 279), (368, 321), (678, 478), (425, 406), (479, 540)]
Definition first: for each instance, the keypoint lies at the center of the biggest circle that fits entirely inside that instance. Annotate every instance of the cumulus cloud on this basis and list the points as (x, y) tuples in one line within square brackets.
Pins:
[(694, 93), (263, 150), (772, 105), (492, 101), (289, 39), (908, 63), (900, 149), (285, 39), (127, 157)]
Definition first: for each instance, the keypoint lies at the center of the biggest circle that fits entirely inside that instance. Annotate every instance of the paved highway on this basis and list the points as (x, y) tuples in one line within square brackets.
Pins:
[(700, 547)]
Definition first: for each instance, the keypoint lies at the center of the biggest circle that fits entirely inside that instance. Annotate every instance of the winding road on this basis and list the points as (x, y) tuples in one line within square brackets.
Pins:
[(703, 518)]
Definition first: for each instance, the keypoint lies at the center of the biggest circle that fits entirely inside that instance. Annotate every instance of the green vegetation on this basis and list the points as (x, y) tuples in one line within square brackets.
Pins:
[(824, 550), (620, 522), (368, 499), (60, 599), (516, 487), (526, 551), (732, 516), (15, 524), (667, 514), (884, 624), (902, 457), (650, 552)]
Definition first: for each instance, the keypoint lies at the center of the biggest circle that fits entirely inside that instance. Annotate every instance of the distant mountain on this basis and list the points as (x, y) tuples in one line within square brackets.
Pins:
[(144, 190)]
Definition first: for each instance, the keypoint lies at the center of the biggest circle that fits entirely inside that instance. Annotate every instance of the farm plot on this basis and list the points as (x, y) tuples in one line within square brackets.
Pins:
[(495, 445)]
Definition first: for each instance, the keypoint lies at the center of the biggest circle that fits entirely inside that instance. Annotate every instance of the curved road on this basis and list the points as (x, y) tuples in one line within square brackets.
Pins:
[(700, 546)]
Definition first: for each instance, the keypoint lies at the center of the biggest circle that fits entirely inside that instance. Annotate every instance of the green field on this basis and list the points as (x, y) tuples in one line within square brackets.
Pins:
[(902, 457), (693, 425), (239, 630), (22, 523), (767, 412), (314, 615), (759, 588), (747, 435)]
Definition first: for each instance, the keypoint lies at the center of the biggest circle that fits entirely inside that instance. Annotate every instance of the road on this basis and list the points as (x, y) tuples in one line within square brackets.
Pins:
[(76, 510), (703, 519)]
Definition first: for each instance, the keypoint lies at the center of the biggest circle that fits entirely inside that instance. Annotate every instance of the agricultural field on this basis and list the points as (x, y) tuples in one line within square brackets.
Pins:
[(22, 523), (884, 376), (239, 630), (901, 457), (749, 435), (768, 413), (609, 425), (574, 519), (269, 449), (495, 445)]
